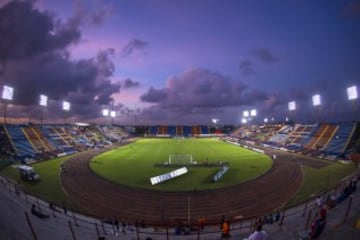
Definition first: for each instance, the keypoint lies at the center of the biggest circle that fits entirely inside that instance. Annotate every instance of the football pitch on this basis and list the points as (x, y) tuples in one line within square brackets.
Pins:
[(133, 164)]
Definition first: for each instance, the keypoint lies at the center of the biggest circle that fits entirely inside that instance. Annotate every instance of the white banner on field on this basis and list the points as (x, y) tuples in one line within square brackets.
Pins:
[(168, 176)]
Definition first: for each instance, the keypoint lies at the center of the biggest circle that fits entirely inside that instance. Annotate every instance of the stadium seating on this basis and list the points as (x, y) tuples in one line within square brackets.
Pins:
[(179, 131), (187, 131), (53, 136), (153, 130), (6, 146), (340, 139), (172, 130), (22, 145), (205, 130)]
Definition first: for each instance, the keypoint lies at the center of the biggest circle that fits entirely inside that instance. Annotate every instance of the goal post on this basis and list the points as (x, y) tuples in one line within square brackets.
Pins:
[(180, 159)]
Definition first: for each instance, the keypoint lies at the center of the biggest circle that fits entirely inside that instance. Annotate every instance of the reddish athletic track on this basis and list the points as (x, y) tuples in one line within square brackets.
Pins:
[(103, 198)]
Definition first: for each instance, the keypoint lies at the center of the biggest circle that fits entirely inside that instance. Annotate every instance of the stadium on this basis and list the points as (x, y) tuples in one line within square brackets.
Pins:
[(90, 153)]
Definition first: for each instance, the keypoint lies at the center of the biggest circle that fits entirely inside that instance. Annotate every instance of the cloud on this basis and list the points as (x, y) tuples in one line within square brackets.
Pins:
[(351, 9), (84, 14), (133, 45), (264, 55), (202, 88), (155, 95), (246, 67), (39, 63), (25, 32), (129, 83)]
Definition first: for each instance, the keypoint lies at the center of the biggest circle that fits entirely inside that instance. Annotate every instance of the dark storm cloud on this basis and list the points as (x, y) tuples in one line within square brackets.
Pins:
[(26, 32), (33, 47), (133, 45), (155, 95), (129, 83), (202, 88), (246, 67), (55, 75), (264, 55)]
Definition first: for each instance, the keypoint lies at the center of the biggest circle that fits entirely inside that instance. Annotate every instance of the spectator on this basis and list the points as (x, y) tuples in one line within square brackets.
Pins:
[(259, 234), (317, 225), (225, 230), (37, 213), (318, 201)]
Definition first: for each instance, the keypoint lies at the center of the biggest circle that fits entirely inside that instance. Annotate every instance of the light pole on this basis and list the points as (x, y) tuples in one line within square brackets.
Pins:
[(66, 108), (105, 113), (352, 96), (112, 115), (7, 95), (292, 108), (316, 101), (43, 102)]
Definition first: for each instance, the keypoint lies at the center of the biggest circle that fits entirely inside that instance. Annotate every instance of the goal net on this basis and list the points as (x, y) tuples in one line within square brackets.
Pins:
[(180, 159)]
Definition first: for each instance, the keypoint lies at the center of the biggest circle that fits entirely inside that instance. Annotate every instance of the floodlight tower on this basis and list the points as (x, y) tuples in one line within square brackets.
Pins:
[(112, 115), (352, 94), (43, 102), (266, 120), (292, 108), (6, 96), (253, 113), (105, 113), (66, 108), (316, 101)]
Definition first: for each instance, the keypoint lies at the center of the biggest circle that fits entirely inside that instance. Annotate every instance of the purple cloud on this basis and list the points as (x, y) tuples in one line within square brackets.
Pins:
[(264, 55), (133, 45), (202, 88), (129, 83), (39, 63)]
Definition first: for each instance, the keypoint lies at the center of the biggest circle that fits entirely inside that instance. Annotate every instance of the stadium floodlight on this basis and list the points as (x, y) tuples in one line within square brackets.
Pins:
[(243, 120), (266, 120), (215, 120), (66, 106), (105, 112), (43, 100), (316, 100), (246, 113), (112, 114), (352, 93), (286, 119), (272, 119), (253, 113), (292, 106), (7, 93)]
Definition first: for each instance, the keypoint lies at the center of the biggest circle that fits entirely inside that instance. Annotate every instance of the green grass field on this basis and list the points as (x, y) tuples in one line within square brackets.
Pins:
[(49, 186), (315, 180), (133, 164)]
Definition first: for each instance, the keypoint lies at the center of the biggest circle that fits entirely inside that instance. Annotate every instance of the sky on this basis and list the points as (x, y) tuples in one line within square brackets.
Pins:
[(181, 62)]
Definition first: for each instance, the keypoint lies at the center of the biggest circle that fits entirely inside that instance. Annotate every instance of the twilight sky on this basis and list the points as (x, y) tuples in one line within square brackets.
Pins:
[(181, 62)]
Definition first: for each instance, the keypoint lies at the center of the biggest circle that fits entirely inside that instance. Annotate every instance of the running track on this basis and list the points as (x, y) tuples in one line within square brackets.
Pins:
[(103, 198)]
